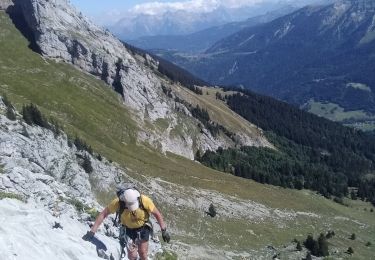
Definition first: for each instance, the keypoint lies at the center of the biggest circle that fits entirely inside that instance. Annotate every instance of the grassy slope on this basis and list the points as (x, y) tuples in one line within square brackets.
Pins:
[(218, 110), (89, 108), (336, 113)]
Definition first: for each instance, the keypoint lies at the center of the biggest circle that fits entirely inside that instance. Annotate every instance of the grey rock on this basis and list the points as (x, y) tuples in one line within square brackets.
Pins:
[(4, 4), (64, 34)]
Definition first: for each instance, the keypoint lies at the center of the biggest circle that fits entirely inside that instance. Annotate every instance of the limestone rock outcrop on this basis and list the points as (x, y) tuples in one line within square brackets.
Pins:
[(63, 33)]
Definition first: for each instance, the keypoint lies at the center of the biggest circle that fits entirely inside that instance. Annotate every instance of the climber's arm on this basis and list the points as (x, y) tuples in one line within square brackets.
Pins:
[(99, 219)]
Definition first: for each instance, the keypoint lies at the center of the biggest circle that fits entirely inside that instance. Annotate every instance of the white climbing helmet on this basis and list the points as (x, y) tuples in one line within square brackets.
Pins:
[(131, 199)]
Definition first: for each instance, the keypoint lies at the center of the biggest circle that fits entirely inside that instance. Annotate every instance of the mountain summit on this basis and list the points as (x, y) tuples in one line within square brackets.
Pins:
[(186, 17)]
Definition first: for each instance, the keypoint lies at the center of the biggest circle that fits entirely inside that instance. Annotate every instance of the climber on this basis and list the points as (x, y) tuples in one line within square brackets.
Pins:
[(134, 211)]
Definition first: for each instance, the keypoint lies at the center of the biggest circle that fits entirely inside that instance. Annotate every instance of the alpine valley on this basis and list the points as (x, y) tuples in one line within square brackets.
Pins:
[(320, 58), (80, 112)]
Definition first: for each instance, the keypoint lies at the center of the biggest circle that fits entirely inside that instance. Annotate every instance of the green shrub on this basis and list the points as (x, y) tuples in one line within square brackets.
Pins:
[(79, 206), (32, 115), (82, 145), (311, 244), (166, 255), (93, 213), (86, 164), (339, 200), (82, 208), (10, 110), (4, 195), (330, 234), (317, 247), (323, 245)]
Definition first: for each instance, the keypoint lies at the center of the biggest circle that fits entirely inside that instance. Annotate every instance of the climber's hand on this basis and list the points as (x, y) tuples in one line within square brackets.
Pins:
[(165, 235), (88, 236)]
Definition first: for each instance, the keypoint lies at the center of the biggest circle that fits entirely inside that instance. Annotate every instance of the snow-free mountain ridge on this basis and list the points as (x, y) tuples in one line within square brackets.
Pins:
[(64, 34), (186, 17), (317, 54), (200, 41)]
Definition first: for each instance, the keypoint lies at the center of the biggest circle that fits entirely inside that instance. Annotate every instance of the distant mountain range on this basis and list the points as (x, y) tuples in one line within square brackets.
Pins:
[(202, 40), (156, 19), (316, 54)]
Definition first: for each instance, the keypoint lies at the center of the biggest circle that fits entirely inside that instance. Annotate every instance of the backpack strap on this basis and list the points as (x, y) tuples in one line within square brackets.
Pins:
[(119, 212), (142, 207)]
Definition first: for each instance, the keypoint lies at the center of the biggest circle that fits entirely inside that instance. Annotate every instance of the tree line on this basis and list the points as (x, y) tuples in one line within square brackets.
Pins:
[(311, 152)]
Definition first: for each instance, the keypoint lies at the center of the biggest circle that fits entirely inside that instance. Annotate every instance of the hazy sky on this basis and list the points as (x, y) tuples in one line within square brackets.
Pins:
[(94, 7), (109, 11)]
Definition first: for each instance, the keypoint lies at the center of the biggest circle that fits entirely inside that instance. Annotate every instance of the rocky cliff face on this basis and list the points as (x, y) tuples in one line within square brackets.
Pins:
[(45, 170), (44, 166), (64, 34)]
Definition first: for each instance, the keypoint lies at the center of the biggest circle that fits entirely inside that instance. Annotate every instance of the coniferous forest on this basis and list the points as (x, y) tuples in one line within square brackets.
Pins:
[(310, 152)]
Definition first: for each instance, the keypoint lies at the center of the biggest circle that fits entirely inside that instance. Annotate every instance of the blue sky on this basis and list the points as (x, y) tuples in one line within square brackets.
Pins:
[(94, 7)]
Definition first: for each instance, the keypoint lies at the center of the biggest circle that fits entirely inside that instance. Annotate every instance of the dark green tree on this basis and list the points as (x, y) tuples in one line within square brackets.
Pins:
[(330, 234), (323, 246), (32, 115), (212, 211), (81, 145), (309, 242), (312, 245), (86, 164)]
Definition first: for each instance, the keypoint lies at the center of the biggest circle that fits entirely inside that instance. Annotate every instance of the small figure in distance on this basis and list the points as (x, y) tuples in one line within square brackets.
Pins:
[(211, 211)]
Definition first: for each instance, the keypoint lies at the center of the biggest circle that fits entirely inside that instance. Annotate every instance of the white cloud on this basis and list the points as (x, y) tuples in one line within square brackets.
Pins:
[(196, 6)]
